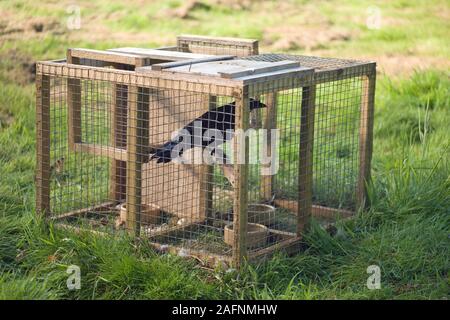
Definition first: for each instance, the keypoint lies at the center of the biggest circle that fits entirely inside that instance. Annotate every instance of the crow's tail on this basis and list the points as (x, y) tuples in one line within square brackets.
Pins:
[(164, 154)]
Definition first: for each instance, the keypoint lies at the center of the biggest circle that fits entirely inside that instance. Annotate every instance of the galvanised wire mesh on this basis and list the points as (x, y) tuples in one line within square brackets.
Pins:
[(337, 127)]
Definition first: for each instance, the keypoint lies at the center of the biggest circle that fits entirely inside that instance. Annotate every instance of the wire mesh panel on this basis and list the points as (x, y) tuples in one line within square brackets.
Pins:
[(217, 46), (341, 95)]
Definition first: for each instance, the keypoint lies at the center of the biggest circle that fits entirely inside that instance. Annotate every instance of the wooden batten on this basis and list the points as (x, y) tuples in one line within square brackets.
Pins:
[(118, 134), (137, 138), (267, 252), (365, 137), (305, 171), (74, 104), (272, 67), (167, 65), (270, 122), (316, 210), (103, 206), (101, 150), (43, 173), (241, 170), (206, 258)]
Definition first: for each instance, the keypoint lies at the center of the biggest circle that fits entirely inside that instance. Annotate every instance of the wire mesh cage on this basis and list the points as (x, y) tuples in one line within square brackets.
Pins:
[(223, 153)]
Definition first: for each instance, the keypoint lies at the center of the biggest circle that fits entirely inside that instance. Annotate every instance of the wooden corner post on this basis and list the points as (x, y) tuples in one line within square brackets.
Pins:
[(270, 122), (137, 143), (118, 139), (305, 174), (365, 137), (74, 105), (241, 159), (207, 176), (118, 135), (43, 173)]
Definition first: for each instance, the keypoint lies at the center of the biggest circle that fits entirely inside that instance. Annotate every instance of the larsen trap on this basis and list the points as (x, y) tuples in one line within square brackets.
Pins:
[(205, 149)]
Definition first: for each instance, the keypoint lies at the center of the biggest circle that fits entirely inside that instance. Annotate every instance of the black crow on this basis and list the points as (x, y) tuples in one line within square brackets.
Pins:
[(221, 119)]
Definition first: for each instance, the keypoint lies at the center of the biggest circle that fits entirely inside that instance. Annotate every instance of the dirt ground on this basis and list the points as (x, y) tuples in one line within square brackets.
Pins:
[(311, 36)]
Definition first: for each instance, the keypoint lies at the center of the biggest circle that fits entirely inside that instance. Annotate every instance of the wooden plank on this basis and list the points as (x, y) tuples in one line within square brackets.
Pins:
[(270, 67), (266, 253), (105, 56), (270, 122), (285, 79), (137, 137), (166, 65), (316, 210), (168, 48), (176, 188), (323, 76), (283, 234), (207, 176), (156, 54), (105, 205), (74, 105), (101, 150), (43, 173), (241, 169), (236, 68), (206, 258), (365, 138), (305, 171), (118, 138), (167, 229)]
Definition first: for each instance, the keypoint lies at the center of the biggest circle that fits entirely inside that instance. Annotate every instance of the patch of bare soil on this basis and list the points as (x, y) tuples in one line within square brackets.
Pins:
[(18, 67), (304, 37), (5, 119), (185, 10), (11, 28), (400, 65), (235, 4)]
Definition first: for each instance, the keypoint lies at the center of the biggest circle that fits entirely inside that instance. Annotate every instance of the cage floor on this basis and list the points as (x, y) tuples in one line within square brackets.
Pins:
[(205, 237)]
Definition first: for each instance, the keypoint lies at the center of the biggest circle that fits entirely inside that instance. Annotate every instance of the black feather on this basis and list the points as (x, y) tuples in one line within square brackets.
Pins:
[(221, 119)]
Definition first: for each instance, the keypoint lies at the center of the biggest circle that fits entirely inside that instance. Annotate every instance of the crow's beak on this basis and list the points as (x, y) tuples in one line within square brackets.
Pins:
[(256, 104)]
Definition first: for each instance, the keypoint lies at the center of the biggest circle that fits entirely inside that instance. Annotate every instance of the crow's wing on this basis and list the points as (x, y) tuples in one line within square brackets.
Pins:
[(221, 119)]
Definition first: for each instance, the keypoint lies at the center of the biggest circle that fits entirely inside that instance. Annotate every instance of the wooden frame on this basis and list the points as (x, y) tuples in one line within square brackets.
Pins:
[(74, 105), (166, 65), (43, 173), (137, 137), (241, 177), (316, 210), (305, 171), (131, 108), (136, 57), (270, 122), (365, 137)]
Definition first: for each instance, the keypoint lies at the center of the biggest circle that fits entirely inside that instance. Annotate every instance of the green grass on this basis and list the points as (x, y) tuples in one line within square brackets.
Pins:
[(405, 231)]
